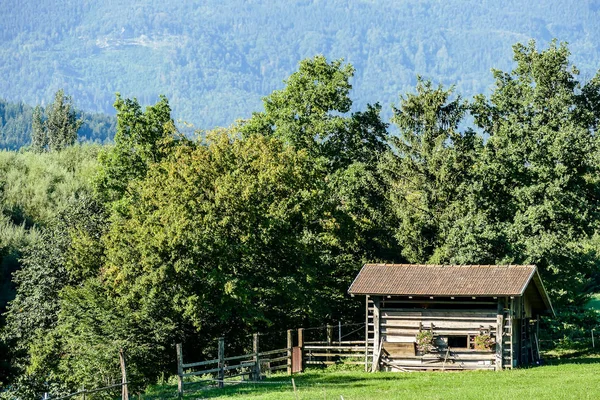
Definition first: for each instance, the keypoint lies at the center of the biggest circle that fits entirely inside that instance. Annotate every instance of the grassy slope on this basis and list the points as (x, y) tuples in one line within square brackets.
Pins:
[(33, 188), (575, 378)]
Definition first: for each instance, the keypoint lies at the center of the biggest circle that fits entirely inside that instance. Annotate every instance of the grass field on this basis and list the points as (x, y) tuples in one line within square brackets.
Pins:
[(567, 378)]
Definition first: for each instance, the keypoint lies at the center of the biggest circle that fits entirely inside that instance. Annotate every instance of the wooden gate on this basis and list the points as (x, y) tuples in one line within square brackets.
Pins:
[(296, 359)]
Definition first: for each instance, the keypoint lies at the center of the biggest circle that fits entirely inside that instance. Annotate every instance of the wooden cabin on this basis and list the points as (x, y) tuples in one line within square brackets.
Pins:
[(449, 317)]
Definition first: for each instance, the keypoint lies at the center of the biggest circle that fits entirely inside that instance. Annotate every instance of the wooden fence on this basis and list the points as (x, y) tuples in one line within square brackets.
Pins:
[(345, 352), (329, 351), (84, 392), (222, 368), (251, 367)]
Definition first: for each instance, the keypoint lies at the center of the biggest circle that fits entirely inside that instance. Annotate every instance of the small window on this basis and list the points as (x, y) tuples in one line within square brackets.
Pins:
[(457, 342)]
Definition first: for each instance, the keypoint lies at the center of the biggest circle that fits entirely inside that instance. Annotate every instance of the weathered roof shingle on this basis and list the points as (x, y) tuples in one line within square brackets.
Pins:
[(443, 280)]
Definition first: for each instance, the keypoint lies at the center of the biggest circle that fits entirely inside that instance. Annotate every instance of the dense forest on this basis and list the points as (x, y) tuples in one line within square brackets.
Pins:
[(160, 238), (16, 121), (216, 60)]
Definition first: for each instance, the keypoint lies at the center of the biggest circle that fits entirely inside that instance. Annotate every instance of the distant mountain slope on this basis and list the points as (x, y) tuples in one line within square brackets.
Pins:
[(215, 61)]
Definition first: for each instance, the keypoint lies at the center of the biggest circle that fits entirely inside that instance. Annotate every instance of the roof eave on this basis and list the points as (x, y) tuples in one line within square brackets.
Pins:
[(545, 298), (354, 281), (439, 295)]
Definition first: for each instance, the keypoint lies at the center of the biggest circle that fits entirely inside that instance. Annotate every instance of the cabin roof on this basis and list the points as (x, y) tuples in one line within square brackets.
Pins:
[(448, 280)]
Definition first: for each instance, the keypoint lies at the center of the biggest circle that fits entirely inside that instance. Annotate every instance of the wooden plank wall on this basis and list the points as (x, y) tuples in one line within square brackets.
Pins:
[(369, 332), (400, 321)]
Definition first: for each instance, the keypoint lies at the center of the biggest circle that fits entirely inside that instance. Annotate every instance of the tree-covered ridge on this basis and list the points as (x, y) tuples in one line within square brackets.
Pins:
[(215, 61), (17, 121), (262, 226)]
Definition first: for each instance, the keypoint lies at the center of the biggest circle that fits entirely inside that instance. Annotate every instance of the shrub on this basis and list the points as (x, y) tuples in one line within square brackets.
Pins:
[(569, 329), (424, 341), (484, 342)]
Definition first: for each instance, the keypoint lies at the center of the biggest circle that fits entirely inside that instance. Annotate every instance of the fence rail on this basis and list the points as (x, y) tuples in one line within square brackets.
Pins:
[(252, 365), (290, 358), (84, 392), (322, 353)]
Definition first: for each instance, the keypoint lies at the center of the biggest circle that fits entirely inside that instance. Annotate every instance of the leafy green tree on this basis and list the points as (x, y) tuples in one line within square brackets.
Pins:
[(539, 169), (82, 347), (39, 136), (141, 139), (312, 113), (309, 114), (220, 234), (429, 170), (50, 265), (303, 114), (59, 129), (13, 240)]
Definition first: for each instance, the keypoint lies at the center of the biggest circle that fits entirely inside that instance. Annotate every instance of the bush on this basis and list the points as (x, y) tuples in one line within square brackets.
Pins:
[(484, 342), (569, 329), (424, 341)]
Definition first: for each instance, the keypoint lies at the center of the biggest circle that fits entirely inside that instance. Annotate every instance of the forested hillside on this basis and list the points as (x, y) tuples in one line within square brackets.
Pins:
[(34, 188), (16, 126), (215, 61), (160, 238)]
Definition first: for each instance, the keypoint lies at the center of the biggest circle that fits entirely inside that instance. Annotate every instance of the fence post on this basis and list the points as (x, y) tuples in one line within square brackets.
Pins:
[(290, 344), (124, 389), (179, 371), (221, 362), (256, 357), (340, 333), (593, 344), (329, 339), (301, 346)]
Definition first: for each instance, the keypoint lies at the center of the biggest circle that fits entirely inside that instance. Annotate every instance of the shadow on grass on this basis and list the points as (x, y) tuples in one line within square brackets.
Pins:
[(586, 358), (283, 384)]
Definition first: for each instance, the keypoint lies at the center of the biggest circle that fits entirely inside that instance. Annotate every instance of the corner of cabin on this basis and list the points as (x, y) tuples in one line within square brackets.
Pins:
[(446, 317)]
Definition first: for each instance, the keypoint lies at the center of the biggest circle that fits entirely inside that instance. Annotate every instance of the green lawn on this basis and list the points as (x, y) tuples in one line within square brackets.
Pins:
[(572, 378)]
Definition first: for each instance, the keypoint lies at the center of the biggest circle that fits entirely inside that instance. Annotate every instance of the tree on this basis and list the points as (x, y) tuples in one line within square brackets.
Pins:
[(62, 123), (59, 129), (309, 114), (539, 169), (429, 170), (39, 136), (51, 264), (312, 114), (142, 138), (222, 235), (13, 240)]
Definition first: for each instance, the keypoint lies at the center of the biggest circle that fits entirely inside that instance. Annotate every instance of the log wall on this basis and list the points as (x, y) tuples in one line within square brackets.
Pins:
[(393, 323)]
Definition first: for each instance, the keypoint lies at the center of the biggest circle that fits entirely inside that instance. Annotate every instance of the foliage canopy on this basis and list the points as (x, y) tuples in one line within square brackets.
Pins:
[(264, 225)]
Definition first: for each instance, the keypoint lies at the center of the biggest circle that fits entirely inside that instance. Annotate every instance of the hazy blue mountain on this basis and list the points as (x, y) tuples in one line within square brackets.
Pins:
[(215, 60)]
